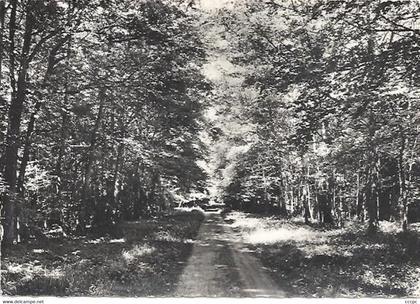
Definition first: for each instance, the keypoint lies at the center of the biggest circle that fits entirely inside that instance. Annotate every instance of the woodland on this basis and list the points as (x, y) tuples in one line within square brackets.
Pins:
[(327, 109), (114, 112), (101, 109)]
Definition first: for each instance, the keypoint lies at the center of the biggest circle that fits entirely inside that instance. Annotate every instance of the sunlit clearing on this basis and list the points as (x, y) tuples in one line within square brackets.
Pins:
[(117, 241), (38, 251), (375, 279), (189, 209), (166, 237), (15, 268), (29, 271), (242, 221), (103, 240), (137, 252), (262, 236), (389, 227), (97, 241)]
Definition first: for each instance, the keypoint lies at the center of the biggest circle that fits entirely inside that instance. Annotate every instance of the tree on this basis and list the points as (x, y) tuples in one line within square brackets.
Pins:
[(120, 81), (342, 73)]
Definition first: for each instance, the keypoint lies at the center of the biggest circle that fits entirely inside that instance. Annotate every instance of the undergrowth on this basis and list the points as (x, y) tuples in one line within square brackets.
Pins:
[(312, 261), (146, 262)]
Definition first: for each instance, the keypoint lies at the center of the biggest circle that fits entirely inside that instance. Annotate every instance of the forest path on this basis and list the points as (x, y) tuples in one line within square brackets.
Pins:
[(221, 265)]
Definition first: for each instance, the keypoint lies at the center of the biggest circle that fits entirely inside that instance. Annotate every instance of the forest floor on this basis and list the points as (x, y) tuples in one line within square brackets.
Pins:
[(312, 261), (146, 262), (191, 253)]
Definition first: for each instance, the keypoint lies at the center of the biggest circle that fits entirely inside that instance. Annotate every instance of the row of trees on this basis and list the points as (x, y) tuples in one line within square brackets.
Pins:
[(331, 96), (100, 112)]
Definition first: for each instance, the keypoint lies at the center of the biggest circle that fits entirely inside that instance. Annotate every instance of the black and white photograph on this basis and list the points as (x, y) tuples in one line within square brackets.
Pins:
[(211, 149)]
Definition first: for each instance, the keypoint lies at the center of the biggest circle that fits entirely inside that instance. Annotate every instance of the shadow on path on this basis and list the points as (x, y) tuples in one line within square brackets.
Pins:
[(221, 266)]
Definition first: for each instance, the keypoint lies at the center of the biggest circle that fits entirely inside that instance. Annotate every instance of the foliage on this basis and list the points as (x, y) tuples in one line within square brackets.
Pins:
[(335, 114), (108, 126)]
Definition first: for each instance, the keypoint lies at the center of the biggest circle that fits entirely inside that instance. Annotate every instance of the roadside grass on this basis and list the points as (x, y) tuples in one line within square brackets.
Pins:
[(313, 261), (145, 262)]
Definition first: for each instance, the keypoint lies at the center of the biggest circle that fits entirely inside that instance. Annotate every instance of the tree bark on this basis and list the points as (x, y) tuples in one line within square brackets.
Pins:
[(89, 164), (115, 181), (402, 183), (138, 190), (359, 200), (2, 15), (14, 122), (26, 149), (12, 31), (31, 125), (308, 190)]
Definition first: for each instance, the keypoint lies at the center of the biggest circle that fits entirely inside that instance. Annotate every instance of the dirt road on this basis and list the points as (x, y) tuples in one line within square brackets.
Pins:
[(220, 266)]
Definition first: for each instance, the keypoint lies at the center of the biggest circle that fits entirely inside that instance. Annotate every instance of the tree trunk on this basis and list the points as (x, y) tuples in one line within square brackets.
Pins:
[(371, 201), (292, 201), (12, 50), (285, 194), (359, 200), (89, 164), (378, 187), (115, 181), (26, 149), (138, 190), (62, 147), (14, 122), (31, 125), (64, 122), (308, 192), (402, 183), (2, 15), (307, 212)]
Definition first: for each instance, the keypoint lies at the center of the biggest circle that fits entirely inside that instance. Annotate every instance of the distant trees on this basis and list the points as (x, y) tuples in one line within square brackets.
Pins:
[(101, 106), (337, 112)]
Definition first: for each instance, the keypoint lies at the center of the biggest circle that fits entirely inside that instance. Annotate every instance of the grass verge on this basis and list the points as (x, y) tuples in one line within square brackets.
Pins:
[(146, 262), (311, 261)]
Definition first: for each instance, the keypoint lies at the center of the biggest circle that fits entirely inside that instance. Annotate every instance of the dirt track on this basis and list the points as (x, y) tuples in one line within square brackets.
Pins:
[(221, 266)]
